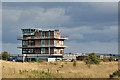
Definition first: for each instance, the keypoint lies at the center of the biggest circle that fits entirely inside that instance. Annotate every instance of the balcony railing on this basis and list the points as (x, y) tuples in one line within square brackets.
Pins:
[(38, 46), (42, 37)]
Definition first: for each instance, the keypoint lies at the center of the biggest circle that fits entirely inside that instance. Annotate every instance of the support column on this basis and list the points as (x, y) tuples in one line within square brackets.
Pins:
[(23, 58), (30, 59), (49, 42)]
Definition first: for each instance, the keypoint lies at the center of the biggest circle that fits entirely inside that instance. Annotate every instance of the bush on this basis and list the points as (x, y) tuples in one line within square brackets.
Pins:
[(111, 76), (92, 58), (111, 59), (105, 60), (74, 63), (5, 55), (116, 73), (72, 60)]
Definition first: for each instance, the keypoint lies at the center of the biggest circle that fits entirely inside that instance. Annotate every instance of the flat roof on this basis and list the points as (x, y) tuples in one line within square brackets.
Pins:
[(40, 29)]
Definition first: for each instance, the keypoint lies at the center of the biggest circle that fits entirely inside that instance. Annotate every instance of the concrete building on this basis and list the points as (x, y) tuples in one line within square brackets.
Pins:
[(42, 43)]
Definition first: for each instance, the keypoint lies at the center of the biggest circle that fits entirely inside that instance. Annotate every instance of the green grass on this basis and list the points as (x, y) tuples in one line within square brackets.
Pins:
[(35, 74)]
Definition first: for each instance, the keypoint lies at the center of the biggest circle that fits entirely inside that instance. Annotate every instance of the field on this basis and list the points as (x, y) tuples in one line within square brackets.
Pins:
[(57, 70)]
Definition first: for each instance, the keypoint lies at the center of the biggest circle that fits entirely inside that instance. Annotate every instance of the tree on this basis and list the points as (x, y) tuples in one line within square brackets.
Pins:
[(105, 59), (110, 54), (5, 55), (111, 59), (92, 58)]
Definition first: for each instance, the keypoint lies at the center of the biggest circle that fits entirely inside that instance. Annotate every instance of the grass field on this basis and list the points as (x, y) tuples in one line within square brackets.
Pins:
[(57, 70)]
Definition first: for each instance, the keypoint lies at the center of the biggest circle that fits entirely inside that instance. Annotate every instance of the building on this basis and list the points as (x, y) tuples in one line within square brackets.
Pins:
[(42, 43), (70, 57)]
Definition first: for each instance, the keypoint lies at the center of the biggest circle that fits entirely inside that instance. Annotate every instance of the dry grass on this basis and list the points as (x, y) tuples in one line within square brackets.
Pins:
[(57, 70)]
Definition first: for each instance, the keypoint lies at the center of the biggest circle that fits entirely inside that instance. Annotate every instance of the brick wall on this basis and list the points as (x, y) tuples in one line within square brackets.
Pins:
[(52, 34), (51, 42), (47, 50), (47, 34), (47, 42), (37, 42), (51, 50), (38, 34)]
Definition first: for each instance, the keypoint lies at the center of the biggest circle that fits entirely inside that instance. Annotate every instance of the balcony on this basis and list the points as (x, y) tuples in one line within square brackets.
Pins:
[(41, 46), (41, 37)]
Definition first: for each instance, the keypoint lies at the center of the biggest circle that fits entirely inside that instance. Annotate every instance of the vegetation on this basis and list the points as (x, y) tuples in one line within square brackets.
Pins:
[(35, 73), (5, 55), (41, 70), (92, 58), (72, 60), (107, 59), (74, 63), (116, 73), (111, 59)]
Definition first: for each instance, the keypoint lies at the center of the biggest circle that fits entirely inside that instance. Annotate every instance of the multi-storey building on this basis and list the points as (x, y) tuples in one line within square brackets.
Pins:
[(37, 41)]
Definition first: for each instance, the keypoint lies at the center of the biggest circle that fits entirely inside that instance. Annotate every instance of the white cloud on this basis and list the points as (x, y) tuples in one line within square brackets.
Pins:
[(98, 47), (79, 32), (36, 16)]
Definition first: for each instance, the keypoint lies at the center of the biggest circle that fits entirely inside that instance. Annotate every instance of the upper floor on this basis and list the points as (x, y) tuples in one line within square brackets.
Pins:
[(31, 34)]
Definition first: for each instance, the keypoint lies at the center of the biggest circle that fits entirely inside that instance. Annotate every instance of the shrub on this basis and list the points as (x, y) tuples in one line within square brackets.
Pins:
[(105, 60), (111, 76), (116, 73), (74, 63), (92, 58), (62, 65), (72, 60), (111, 59), (5, 55)]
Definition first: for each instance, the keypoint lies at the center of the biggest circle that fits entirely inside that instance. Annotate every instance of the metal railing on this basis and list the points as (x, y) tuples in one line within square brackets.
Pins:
[(42, 37), (37, 46)]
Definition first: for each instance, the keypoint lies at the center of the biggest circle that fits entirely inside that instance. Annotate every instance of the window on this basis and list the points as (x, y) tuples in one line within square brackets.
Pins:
[(61, 42), (43, 34), (42, 50), (42, 42), (25, 42), (55, 51), (57, 34), (28, 50), (55, 42), (61, 51)]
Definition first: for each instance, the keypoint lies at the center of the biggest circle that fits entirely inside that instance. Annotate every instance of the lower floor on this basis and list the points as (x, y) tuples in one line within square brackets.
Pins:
[(43, 51), (34, 57)]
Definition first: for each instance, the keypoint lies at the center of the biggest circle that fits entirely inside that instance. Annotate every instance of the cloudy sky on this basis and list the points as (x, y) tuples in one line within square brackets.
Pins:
[(91, 27)]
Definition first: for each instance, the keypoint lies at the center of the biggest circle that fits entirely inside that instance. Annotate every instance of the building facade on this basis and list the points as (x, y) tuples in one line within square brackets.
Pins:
[(37, 41)]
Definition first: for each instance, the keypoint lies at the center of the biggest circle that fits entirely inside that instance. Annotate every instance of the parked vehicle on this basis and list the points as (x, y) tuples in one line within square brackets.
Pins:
[(15, 59), (19, 59), (58, 59), (67, 59)]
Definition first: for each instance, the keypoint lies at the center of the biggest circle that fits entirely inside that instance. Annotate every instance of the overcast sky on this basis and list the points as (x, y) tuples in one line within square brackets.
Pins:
[(91, 27)]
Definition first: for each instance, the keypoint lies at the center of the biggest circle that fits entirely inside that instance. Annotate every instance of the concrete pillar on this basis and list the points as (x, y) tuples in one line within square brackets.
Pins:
[(30, 59), (23, 58), (49, 50)]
